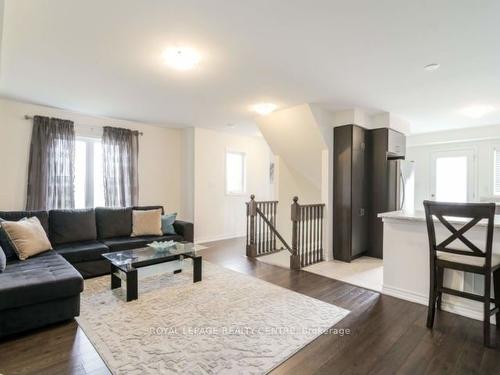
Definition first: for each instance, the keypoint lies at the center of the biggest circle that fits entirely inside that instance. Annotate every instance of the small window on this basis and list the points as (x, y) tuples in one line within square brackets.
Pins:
[(89, 179), (496, 171), (235, 172)]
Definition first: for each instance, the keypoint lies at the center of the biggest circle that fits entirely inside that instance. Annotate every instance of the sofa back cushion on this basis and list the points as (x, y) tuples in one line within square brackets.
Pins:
[(43, 217), (113, 222), (72, 226)]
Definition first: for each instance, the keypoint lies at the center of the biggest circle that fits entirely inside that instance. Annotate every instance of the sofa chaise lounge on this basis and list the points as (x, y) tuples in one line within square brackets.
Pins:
[(46, 288)]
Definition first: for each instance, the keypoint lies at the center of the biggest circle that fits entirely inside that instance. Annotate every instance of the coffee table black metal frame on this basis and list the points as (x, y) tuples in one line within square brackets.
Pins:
[(129, 271)]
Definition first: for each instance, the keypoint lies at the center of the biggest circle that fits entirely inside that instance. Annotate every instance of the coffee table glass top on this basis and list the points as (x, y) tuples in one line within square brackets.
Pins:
[(129, 257)]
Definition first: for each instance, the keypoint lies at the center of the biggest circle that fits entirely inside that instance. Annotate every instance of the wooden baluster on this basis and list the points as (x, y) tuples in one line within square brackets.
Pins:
[(312, 235), (267, 228), (321, 235), (260, 231), (264, 229), (274, 223), (311, 258), (257, 232), (313, 226), (263, 235), (295, 217), (304, 250), (316, 226)]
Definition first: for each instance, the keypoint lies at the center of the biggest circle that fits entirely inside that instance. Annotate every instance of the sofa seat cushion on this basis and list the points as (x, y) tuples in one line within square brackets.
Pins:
[(82, 251), (127, 243), (42, 278), (66, 226)]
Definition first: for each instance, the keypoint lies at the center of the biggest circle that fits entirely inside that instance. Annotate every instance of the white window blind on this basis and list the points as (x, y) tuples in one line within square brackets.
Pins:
[(496, 171)]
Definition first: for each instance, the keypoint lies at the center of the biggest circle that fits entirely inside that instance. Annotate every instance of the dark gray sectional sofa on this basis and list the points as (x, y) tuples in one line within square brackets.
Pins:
[(46, 288)]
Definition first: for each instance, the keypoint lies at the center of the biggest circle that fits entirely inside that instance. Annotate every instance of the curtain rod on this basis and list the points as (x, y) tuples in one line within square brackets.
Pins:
[(28, 117)]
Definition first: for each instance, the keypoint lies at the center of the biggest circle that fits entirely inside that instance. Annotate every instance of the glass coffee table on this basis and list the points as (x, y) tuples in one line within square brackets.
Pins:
[(124, 264)]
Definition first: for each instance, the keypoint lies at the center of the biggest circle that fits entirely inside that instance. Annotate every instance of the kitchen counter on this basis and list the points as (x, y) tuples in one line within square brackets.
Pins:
[(420, 216), (406, 260)]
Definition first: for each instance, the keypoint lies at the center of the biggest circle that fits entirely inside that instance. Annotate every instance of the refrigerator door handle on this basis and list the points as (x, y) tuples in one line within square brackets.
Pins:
[(403, 183)]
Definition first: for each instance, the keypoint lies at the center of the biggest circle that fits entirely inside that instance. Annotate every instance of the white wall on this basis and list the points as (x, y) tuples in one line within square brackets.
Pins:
[(421, 148), (293, 134), (160, 154), (290, 184), (216, 214)]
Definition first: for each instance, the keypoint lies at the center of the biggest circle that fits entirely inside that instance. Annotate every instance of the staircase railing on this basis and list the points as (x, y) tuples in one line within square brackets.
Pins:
[(261, 228), (307, 231)]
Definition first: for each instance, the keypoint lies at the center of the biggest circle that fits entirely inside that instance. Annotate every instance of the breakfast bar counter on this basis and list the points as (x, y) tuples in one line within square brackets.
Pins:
[(406, 260)]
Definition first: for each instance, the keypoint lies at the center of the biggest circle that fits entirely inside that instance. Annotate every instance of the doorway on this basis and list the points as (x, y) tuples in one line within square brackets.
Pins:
[(453, 176)]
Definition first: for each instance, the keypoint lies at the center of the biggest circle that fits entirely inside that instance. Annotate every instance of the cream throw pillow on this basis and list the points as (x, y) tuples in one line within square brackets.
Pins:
[(146, 223), (27, 237)]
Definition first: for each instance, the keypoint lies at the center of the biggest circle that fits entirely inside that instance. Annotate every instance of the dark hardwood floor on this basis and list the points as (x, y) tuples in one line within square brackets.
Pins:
[(387, 335)]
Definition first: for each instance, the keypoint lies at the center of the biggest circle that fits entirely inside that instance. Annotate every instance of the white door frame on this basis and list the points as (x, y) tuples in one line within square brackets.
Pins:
[(470, 153)]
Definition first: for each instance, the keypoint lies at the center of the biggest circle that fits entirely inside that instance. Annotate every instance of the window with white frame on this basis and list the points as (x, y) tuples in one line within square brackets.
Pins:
[(496, 170), (235, 172), (89, 179)]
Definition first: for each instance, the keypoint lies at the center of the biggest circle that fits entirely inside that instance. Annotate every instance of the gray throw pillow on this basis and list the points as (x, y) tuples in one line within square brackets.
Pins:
[(3, 260)]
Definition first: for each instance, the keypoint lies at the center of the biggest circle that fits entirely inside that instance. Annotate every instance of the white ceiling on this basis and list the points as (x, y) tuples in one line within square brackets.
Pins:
[(104, 57)]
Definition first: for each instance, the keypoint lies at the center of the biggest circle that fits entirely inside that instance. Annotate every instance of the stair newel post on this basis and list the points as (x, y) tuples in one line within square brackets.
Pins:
[(252, 214), (295, 216)]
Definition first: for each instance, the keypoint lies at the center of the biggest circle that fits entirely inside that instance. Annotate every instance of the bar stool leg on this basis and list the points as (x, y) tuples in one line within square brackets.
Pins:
[(432, 297), (440, 281), (487, 296), (496, 291)]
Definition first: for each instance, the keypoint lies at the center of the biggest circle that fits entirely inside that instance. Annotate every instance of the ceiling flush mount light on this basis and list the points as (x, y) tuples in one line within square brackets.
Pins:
[(264, 108), (477, 111), (432, 67), (181, 58)]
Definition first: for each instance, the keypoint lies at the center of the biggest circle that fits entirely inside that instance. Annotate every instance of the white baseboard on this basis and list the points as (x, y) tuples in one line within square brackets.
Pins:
[(450, 303), (218, 238)]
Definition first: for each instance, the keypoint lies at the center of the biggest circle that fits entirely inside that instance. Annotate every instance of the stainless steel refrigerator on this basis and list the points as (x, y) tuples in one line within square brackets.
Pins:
[(391, 178)]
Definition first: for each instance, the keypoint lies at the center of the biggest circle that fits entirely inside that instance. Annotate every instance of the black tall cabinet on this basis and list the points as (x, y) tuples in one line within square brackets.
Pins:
[(350, 220), (366, 182)]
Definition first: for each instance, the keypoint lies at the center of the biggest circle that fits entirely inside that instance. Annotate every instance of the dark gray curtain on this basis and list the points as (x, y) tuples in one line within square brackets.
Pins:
[(120, 152), (51, 172)]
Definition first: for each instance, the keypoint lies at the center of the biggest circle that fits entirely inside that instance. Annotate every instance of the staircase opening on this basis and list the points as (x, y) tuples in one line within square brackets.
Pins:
[(263, 237)]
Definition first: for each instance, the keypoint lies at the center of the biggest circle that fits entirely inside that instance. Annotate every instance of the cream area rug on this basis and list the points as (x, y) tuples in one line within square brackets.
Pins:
[(229, 323)]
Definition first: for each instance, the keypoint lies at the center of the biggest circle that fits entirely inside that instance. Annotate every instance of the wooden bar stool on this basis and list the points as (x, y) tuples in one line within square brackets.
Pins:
[(472, 260)]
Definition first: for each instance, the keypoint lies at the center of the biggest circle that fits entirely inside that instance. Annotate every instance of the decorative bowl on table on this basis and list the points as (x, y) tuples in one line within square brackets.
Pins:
[(162, 245)]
